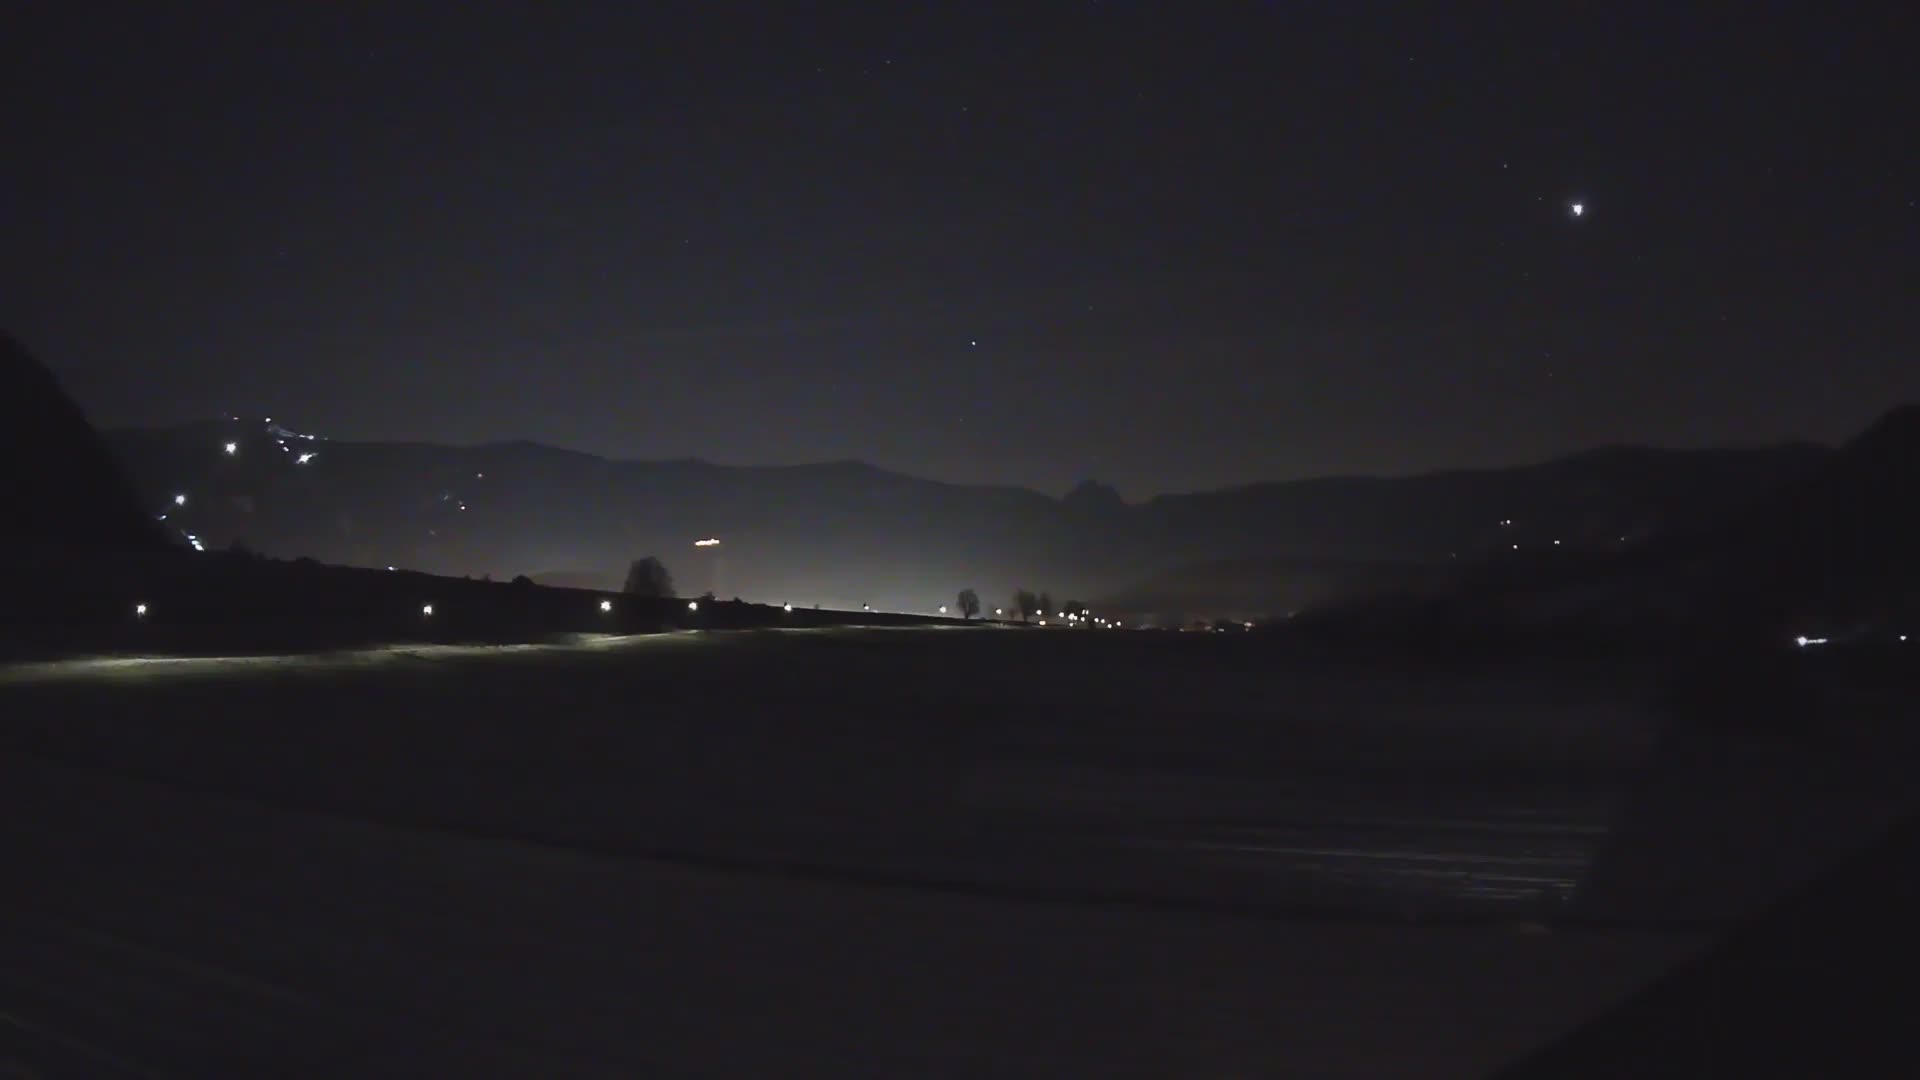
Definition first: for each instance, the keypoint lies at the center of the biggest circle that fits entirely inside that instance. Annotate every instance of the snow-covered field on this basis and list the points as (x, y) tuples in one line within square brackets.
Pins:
[(1183, 771), (925, 852)]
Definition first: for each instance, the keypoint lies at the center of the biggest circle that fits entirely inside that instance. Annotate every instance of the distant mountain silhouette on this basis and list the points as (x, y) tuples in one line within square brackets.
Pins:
[(1830, 548), (1845, 539), (846, 533), (1093, 497), (63, 490)]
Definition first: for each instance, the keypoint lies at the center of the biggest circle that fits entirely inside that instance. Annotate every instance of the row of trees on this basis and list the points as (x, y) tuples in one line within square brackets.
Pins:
[(1030, 605), (1027, 604), (648, 577)]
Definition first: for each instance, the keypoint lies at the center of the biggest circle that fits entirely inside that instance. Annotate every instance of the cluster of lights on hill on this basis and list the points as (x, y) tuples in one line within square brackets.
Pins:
[(284, 438)]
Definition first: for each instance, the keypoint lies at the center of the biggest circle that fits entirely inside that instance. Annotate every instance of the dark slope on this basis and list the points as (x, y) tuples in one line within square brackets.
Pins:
[(1815, 987), (1844, 541), (63, 490)]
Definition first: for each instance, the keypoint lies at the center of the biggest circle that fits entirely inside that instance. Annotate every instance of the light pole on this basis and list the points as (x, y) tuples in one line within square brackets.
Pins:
[(716, 566)]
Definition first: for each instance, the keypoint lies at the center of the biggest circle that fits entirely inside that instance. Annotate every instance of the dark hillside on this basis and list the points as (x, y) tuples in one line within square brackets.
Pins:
[(63, 490)]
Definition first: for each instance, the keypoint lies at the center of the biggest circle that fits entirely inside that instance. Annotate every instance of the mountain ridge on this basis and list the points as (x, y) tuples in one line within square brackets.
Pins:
[(1602, 451), (848, 532)]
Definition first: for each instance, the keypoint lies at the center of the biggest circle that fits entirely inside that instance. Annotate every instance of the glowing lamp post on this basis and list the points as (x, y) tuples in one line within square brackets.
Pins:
[(716, 566)]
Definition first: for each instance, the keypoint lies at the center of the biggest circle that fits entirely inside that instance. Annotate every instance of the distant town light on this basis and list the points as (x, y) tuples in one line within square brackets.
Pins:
[(140, 612), (303, 458), (231, 448), (426, 610), (786, 607), (1556, 543), (943, 609), (998, 611), (389, 567), (693, 605), (179, 500), (1043, 622), (866, 607), (1516, 547), (606, 605), (708, 542)]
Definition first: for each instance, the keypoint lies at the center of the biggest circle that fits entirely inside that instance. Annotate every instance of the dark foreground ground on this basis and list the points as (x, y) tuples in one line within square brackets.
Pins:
[(923, 852)]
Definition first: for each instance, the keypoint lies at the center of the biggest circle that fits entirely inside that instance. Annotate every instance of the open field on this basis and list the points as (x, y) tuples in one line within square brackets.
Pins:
[(1186, 770), (829, 852)]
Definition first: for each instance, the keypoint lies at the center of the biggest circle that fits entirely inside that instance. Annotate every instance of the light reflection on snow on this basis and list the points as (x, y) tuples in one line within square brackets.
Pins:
[(142, 667)]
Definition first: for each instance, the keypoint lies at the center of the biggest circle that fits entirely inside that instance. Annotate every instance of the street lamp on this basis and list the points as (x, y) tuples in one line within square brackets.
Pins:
[(716, 566), (426, 611), (606, 605), (693, 605), (180, 500), (139, 611), (231, 448)]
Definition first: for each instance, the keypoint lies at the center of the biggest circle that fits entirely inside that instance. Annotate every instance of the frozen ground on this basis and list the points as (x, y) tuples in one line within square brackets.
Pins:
[(1172, 771), (934, 853)]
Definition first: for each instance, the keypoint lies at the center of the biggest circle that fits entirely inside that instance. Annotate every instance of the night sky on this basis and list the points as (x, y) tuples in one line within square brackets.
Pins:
[(1171, 246)]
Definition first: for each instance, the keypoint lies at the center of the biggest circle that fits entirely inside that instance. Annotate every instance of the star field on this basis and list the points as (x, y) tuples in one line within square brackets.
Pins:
[(1167, 247)]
